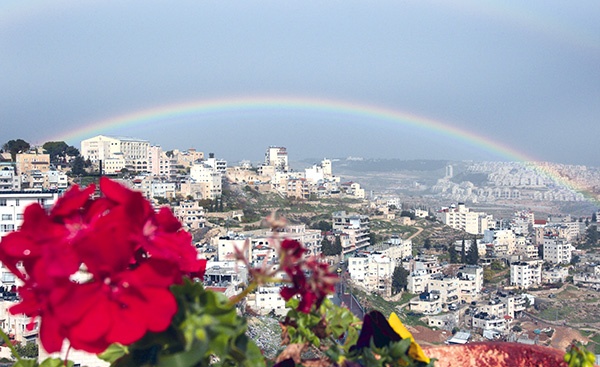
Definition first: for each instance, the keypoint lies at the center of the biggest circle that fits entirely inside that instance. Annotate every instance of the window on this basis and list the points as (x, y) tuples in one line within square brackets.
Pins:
[(7, 227), (2, 202), (17, 202), (6, 216)]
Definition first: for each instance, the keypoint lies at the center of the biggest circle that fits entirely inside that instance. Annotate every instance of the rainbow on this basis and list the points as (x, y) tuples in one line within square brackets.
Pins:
[(210, 107)]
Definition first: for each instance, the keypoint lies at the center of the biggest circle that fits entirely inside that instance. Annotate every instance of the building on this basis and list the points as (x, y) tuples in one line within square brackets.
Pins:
[(526, 274), (557, 250), (9, 180), (277, 157), (210, 180), (134, 153), (26, 162), (356, 226), (13, 204), (462, 218), (373, 272), (190, 214)]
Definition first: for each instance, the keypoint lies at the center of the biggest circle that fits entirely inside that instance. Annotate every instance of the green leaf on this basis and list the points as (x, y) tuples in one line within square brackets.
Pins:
[(26, 362), (55, 362), (113, 352)]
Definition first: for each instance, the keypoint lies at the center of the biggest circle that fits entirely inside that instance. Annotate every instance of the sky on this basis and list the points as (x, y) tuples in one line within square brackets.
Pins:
[(481, 80)]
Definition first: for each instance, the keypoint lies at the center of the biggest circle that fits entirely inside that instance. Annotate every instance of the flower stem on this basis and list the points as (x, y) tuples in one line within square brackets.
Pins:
[(10, 345), (233, 301)]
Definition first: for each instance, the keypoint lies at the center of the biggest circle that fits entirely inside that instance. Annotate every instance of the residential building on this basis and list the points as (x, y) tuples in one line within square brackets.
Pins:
[(470, 282), (209, 177), (190, 214), (267, 300), (9, 180), (277, 157), (373, 272), (555, 274), (557, 250), (526, 274), (460, 217), (356, 226), (32, 161), (13, 204)]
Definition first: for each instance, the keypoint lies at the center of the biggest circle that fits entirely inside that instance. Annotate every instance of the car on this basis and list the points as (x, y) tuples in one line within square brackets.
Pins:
[(552, 295)]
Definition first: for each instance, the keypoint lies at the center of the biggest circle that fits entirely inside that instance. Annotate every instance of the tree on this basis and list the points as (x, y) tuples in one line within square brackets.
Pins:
[(594, 218), (56, 149), (16, 146), (592, 235), (322, 225), (472, 255), (463, 252), (77, 166), (488, 275), (27, 350), (399, 279), (331, 249), (453, 254), (427, 244)]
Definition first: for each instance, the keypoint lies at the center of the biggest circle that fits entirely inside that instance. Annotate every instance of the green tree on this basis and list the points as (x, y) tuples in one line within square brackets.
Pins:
[(322, 225), (399, 279), (463, 252), (16, 146), (472, 255), (488, 275), (56, 149), (77, 166), (427, 244), (27, 350), (592, 235), (594, 218), (453, 254)]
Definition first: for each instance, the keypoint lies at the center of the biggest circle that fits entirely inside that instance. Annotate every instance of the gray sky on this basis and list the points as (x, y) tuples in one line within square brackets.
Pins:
[(524, 74)]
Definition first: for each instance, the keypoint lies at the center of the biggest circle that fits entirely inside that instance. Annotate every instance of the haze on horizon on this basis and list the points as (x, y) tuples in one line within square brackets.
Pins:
[(524, 74)]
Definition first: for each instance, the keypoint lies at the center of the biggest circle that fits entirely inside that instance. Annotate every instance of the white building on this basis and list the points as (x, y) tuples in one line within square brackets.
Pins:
[(373, 272), (557, 250), (9, 180), (277, 157), (13, 204), (210, 178), (526, 274), (134, 152), (356, 226), (462, 218), (268, 299)]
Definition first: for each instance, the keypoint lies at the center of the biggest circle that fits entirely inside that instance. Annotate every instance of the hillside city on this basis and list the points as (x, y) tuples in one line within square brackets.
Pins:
[(453, 271)]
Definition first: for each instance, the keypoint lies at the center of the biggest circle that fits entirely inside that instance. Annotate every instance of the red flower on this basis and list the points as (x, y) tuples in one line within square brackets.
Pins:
[(117, 309), (312, 290), (131, 255)]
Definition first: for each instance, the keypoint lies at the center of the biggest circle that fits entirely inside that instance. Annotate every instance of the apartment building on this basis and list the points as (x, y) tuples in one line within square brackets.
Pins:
[(277, 157), (357, 228), (460, 217), (32, 161), (504, 241), (557, 250), (13, 204), (160, 163), (526, 274), (373, 272), (190, 214), (470, 282), (209, 178), (9, 180), (267, 300)]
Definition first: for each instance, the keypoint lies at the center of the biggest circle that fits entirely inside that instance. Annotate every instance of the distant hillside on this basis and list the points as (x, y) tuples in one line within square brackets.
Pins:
[(478, 179), (389, 165)]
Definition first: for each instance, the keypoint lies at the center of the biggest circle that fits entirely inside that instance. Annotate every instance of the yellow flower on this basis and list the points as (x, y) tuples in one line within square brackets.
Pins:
[(414, 350)]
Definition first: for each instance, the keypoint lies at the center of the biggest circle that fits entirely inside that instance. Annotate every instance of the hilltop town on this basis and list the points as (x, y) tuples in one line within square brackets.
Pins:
[(455, 273)]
